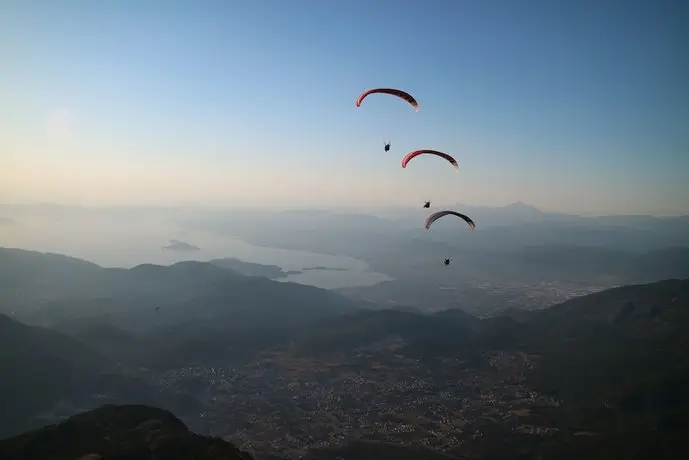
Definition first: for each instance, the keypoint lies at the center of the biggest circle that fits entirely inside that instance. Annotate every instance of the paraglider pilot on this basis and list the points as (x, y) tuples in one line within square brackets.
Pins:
[(427, 204)]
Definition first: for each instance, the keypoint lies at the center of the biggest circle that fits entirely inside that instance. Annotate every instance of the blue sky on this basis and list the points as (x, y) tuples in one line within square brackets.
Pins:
[(578, 106)]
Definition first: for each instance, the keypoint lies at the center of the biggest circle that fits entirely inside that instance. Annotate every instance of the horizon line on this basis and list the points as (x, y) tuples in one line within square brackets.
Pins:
[(320, 208)]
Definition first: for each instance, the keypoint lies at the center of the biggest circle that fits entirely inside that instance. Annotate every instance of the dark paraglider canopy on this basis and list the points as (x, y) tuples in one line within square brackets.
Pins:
[(411, 155), (393, 92), (437, 215)]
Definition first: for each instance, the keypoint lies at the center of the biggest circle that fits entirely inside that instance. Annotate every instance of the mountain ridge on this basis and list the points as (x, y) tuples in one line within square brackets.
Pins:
[(158, 295), (125, 432)]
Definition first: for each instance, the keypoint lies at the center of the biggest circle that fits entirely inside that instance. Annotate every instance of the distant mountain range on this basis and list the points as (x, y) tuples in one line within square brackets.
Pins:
[(519, 213), (507, 228), (487, 216), (181, 246), (583, 263)]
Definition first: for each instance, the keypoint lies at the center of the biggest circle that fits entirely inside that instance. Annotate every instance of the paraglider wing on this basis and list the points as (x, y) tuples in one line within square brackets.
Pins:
[(437, 215), (393, 92), (411, 155)]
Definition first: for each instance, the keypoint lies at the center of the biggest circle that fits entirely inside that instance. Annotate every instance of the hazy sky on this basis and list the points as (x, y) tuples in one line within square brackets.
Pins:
[(579, 105)]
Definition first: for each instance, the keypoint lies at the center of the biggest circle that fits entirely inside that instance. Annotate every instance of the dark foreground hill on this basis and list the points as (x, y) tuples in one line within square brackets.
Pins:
[(30, 357), (44, 373), (118, 432)]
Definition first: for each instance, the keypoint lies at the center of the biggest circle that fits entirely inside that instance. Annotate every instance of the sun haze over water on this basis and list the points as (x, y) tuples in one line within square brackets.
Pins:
[(578, 106)]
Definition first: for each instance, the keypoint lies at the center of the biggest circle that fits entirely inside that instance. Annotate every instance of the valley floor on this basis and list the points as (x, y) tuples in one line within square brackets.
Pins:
[(287, 404)]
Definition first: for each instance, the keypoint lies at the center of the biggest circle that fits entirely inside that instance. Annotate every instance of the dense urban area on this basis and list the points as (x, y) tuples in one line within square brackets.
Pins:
[(290, 404)]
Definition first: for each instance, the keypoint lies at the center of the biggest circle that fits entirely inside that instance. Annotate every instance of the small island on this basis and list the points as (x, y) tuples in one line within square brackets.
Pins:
[(321, 267), (181, 246)]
